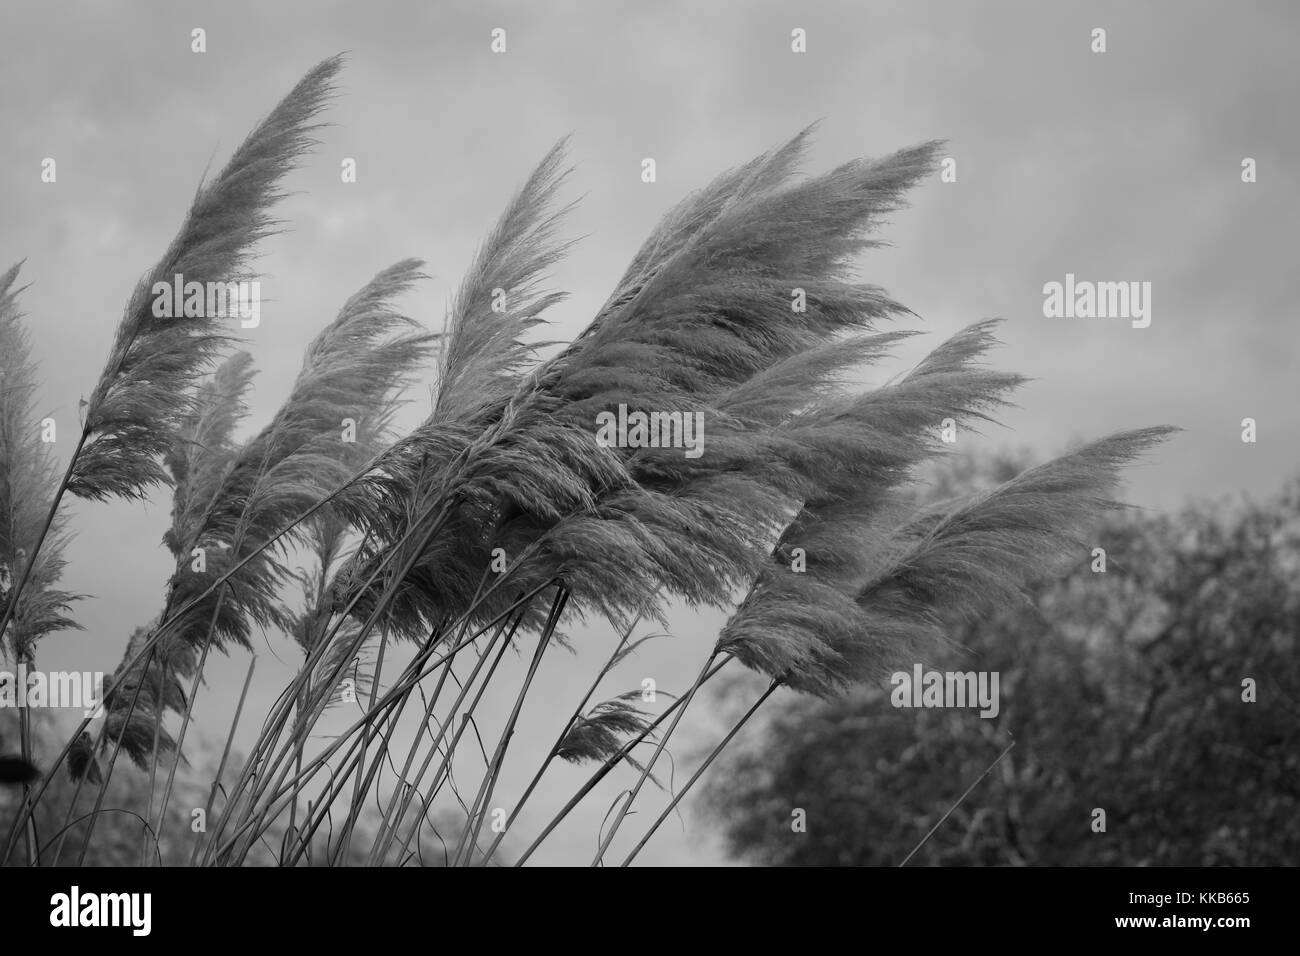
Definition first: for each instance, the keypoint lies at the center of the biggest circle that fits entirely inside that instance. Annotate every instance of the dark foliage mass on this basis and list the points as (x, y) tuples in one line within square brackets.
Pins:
[(1123, 691)]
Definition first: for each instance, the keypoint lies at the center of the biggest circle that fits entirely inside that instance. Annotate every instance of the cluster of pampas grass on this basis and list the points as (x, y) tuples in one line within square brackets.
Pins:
[(403, 531), (32, 602), (27, 481)]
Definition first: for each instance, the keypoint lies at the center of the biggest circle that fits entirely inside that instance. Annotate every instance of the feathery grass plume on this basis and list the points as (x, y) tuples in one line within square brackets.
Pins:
[(234, 501), (884, 593), (713, 306), (81, 759), (28, 477), (711, 312), (480, 371), (201, 455), (352, 370), (326, 535), (597, 735), (692, 215), (204, 450), (145, 390), (705, 307), (837, 465), (858, 448), (485, 351), (485, 348), (982, 553), (793, 434), (142, 694)]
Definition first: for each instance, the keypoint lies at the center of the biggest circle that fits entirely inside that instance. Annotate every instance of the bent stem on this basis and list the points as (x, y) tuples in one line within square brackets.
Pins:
[(479, 809), (551, 754), (25, 744), (677, 798), (399, 694), (108, 771), (444, 765), (358, 794), (645, 773), (28, 807), (394, 697), (610, 764), (225, 755), (275, 721), (180, 737)]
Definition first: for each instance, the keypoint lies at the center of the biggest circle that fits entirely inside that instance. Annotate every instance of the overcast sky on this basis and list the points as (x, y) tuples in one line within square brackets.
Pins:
[(1119, 166)]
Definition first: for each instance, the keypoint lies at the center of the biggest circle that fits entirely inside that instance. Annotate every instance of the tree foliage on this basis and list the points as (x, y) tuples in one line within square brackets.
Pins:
[(1123, 691)]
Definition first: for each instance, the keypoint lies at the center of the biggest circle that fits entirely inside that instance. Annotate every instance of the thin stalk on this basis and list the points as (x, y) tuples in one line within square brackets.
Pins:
[(24, 725), (153, 766), (395, 696), (550, 756), (645, 773), (677, 798), (28, 808), (108, 771), (478, 812), (445, 764), (465, 618), (302, 844), (180, 737), (25, 745), (430, 704), (300, 733), (17, 590), (265, 742), (357, 796), (608, 766), (381, 605), (396, 798), (405, 685), (275, 721), (392, 718), (225, 755), (76, 793), (317, 811), (398, 693)]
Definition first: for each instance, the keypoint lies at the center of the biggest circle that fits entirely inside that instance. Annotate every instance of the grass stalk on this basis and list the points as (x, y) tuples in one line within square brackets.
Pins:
[(610, 764), (480, 807), (550, 755), (649, 765), (180, 739), (225, 757), (108, 771), (699, 772), (444, 766)]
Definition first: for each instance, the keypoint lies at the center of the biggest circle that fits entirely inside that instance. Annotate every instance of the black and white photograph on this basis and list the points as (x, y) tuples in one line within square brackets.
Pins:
[(739, 434)]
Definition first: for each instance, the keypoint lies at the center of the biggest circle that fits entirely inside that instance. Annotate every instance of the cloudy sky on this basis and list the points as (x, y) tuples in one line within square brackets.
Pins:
[(1116, 166)]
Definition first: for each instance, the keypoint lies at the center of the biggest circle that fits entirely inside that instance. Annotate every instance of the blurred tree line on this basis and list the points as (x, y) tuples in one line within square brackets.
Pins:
[(1123, 691)]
